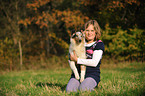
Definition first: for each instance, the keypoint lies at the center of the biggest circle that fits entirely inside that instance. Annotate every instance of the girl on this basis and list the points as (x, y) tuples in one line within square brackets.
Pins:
[(94, 52)]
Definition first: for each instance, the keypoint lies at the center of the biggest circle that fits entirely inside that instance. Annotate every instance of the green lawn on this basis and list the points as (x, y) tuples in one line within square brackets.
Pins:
[(119, 80)]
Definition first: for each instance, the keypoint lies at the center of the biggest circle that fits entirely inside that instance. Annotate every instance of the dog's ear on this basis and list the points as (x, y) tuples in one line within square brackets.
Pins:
[(82, 28), (73, 31)]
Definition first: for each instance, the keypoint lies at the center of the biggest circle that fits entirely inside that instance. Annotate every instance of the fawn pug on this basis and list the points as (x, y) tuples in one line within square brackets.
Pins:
[(77, 44)]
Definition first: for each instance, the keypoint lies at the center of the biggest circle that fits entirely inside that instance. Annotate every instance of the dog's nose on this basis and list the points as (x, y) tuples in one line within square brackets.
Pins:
[(80, 40)]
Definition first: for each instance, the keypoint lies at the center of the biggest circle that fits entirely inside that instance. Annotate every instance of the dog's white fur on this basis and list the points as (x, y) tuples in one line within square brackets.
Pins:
[(77, 44)]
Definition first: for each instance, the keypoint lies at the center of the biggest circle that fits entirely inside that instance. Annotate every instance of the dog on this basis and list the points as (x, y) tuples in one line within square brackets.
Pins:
[(77, 44)]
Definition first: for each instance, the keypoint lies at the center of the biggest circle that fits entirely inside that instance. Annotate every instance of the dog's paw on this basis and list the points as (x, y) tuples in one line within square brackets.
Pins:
[(82, 79), (77, 77)]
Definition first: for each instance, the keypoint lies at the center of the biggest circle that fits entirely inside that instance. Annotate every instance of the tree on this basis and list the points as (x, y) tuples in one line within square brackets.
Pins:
[(11, 11), (46, 15)]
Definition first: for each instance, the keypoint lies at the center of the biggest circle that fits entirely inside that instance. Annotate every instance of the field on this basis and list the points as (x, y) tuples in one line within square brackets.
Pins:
[(116, 80)]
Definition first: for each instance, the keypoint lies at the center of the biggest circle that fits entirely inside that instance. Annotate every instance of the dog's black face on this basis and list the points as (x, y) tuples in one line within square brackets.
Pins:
[(78, 36)]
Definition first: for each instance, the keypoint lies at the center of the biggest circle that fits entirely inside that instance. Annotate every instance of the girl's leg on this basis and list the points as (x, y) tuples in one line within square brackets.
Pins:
[(72, 85), (88, 84)]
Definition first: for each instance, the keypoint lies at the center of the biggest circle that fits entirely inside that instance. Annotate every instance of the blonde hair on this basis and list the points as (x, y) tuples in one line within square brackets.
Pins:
[(96, 28)]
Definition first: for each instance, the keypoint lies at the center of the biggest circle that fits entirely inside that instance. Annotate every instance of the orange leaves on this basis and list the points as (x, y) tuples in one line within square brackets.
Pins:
[(87, 2), (37, 3), (25, 22), (132, 1), (46, 18), (43, 2), (116, 3), (20, 22), (41, 20), (72, 18)]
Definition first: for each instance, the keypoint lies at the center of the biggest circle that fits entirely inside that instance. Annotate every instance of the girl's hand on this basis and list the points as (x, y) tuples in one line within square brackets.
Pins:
[(73, 57)]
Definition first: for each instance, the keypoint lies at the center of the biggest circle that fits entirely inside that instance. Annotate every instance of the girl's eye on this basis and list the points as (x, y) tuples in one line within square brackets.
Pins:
[(87, 30), (92, 30)]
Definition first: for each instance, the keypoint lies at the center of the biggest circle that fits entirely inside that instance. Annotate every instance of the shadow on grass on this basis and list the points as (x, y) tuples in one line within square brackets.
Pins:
[(40, 84)]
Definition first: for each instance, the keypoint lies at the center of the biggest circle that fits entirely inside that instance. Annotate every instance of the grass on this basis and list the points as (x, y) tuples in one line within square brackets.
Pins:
[(116, 80)]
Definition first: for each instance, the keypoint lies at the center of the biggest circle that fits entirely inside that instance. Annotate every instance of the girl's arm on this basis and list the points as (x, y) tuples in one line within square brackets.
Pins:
[(97, 55)]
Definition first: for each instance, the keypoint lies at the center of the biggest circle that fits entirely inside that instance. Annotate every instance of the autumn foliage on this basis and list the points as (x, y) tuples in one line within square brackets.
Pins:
[(42, 28)]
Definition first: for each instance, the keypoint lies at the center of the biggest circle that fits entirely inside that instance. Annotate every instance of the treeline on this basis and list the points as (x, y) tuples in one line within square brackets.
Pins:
[(40, 29)]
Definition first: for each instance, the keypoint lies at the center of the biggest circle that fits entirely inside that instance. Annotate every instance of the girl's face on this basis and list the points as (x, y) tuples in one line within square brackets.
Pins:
[(90, 34)]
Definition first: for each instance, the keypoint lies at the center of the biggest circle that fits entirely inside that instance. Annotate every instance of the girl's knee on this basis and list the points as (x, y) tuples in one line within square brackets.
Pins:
[(88, 85), (85, 88), (72, 85), (71, 90)]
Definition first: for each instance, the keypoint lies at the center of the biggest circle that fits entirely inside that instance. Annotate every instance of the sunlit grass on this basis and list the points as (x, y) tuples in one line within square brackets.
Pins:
[(123, 80)]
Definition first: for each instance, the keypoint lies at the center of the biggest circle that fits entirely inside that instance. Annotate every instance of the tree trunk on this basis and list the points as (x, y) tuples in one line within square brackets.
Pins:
[(11, 63), (20, 51), (47, 47)]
